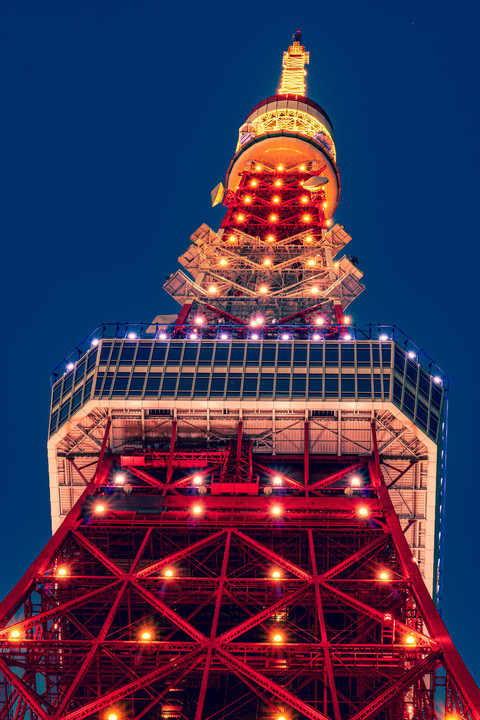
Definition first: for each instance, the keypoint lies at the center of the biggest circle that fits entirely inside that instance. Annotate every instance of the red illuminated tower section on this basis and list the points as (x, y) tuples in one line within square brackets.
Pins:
[(248, 497)]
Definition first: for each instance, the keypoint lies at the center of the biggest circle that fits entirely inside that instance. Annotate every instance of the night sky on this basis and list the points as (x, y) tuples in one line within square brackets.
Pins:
[(117, 120)]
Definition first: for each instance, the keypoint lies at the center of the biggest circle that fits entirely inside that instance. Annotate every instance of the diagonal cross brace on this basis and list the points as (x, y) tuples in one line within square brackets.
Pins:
[(271, 555)]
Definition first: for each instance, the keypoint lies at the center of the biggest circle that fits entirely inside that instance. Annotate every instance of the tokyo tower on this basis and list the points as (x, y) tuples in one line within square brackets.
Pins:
[(247, 497)]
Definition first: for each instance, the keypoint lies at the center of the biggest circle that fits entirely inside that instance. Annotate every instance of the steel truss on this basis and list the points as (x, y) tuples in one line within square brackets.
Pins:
[(248, 611)]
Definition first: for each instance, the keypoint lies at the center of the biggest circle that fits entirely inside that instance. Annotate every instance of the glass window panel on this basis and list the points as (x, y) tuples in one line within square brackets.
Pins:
[(206, 353), (409, 401), (218, 385), (120, 385), (153, 384), (158, 354), (174, 353), (53, 421), (106, 347), (80, 370), (364, 384), (127, 354), (221, 354), (436, 396), (315, 383), (77, 399), (375, 354), (377, 387), (268, 354), (386, 354), (143, 354), (331, 354), (282, 385), (299, 383), (331, 386), (412, 372), (107, 384), (363, 355), (266, 384), (316, 355), (236, 356), (399, 360), (284, 354), (300, 354), (115, 352), (422, 413), (136, 384), (185, 382), (386, 385), (169, 383), (67, 383), (56, 392), (253, 354), (201, 383), (348, 386), (233, 384), (250, 385), (348, 355), (91, 360), (190, 354), (64, 410), (397, 390), (433, 427), (424, 384), (88, 389)]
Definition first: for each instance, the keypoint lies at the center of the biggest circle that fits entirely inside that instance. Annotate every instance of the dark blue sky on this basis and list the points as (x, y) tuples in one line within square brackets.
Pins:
[(117, 120)]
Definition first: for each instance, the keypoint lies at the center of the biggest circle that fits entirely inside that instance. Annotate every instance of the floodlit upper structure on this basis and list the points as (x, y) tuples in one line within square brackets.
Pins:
[(248, 495)]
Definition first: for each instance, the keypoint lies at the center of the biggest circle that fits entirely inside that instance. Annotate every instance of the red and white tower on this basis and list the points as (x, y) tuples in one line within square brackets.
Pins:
[(247, 498)]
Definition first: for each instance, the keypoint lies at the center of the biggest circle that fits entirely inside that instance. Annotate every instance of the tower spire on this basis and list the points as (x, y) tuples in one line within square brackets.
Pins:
[(293, 68)]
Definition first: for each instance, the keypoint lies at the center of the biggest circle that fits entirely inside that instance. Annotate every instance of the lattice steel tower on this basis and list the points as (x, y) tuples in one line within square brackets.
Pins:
[(247, 497)]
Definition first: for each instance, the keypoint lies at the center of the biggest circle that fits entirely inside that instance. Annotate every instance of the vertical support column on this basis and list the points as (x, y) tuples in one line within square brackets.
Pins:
[(239, 448), (170, 454), (306, 452)]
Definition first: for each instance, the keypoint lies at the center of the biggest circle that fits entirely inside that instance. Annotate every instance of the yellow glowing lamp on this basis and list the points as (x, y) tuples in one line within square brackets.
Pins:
[(212, 289), (99, 508), (314, 290), (145, 636), (112, 716), (14, 635), (276, 574), (197, 510), (311, 262), (410, 640), (253, 183), (240, 217), (309, 239), (384, 576), (258, 168), (62, 571), (304, 199), (276, 510), (267, 262), (276, 199), (306, 218), (169, 573), (363, 511), (223, 261), (278, 638), (280, 168), (270, 238), (273, 218), (232, 238), (281, 717), (263, 289), (302, 168)]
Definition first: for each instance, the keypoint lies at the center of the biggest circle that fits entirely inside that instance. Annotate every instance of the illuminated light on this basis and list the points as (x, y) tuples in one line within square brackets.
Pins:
[(277, 480), (302, 168), (281, 717), (163, 336), (324, 205), (280, 168), (112, 716), (197, 510), (278, 183), (314, 290), (276, 574), (193, 336), (62, 571), (263, 289), (355, 481), (132, 336), (285, 336), (168, 573), (99, 509), (254, 336), (273, 218), (306, 218), (260, 320), (319, 321), (223, 261), (383, 337), (335, 265), (14, 635), (212, 289), (384, 576), (258, 167), (412, 355), (363, 511), (253, 183), (276, 510), (304, 199), (199, 320), (347, 337), (145, 636), (197, 479), (328, 223), (301, 182), (309, 239), (119, 478), (278, 638), (437, 379), (311, 262), (253, 323), (347, 320), (70, 366), (270, 238), (387, 617), (316, 336), (410, 640), (232, 238), (267, 262), (224, 336), (95, 342), (276, 199), (247, 199), (240, 218)]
